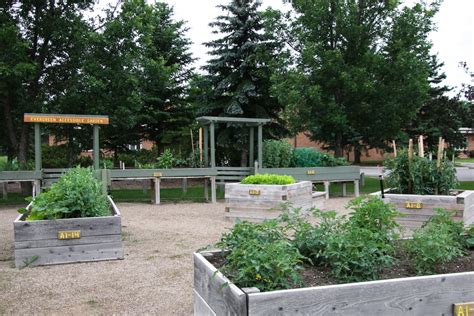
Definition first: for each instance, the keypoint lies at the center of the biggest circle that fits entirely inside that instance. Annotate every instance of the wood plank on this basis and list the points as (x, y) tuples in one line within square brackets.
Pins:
[(200, 306), (43, 243), (222, 296), (69, 254), (48, 229), (427, 295)]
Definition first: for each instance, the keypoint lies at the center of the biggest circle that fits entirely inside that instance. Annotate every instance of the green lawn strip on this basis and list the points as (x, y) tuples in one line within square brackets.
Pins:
[(195, 194), (461, 160), (372, 163), (13, 199)]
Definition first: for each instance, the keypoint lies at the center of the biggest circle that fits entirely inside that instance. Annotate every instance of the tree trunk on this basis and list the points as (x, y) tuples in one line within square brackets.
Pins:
[(357, 155), (338, 147), (244, 158)]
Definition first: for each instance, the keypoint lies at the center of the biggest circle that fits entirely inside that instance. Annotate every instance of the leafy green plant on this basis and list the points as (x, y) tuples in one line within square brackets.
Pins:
[(261, 256), (77, 194), (420, 175), (470, 236), (268, 179), (277, 154), (437, 242), (166, 160), (310, 157)]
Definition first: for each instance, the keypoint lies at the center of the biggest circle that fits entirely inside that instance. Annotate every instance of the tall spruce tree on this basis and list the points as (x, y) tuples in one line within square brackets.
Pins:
[(360, 70), (239, 76)]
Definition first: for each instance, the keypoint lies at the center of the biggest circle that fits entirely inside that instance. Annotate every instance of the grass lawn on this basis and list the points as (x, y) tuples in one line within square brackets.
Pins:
[(372, 163), (461, 160), (194, 194)]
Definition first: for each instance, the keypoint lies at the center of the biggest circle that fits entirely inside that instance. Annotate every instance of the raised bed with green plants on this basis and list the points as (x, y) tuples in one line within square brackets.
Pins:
[(417, 186), (353, 265), (308, 164), (74, 221), (261, 196)]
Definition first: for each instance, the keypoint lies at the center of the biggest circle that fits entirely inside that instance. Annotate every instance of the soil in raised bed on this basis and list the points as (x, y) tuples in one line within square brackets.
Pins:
[(314, 275)]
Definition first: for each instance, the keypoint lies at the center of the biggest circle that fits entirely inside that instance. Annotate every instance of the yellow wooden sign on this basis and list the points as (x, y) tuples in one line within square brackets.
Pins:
[(65, 119), (254, 192), (157, 174), (309, 172), (464, 309), (69, 234), (413, 205)]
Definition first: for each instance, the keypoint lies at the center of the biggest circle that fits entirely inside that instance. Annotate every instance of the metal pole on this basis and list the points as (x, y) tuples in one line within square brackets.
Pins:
[(96, 147), (38, 162), (213, 146), (381, 186), (251, 147), (260, 145)]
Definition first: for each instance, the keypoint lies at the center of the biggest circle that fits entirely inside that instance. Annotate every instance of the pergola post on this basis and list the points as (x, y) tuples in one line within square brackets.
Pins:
[(38, 162), (260, 145), (251, 147), (96, 148), (205, 131), (213, 145)]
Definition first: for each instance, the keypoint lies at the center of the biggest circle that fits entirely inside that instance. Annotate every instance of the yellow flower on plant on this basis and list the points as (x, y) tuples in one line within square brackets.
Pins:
[(258, 277)]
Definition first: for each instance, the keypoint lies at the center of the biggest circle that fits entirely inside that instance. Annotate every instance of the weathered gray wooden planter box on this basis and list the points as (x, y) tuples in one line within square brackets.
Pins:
[(259, 202), (214, 294), (69, 240), (417, 209)]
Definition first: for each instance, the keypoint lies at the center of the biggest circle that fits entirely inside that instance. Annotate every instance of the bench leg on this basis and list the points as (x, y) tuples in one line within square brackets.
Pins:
[(356, 188), (326, 189), (4, 190), (344, 189)]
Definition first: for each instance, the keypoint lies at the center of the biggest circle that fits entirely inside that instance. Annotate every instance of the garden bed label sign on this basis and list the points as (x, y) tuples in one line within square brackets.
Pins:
[(415, 205), (70, 234), (464, 309), (309, 172), (254, 192)]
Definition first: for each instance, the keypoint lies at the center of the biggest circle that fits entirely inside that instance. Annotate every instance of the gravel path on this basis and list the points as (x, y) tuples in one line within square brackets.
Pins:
[(155, 277)]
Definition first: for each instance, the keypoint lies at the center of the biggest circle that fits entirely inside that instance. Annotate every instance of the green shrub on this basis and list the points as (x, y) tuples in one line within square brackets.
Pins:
[(57, 156), (439, 241), (310, 157), (421, 176), (77, 194), (277, 154), (14, 165), (268, 179), (261, 256), (166, 160)]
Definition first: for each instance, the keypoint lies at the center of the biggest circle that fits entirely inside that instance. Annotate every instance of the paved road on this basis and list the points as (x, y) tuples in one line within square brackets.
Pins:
[(465, 173)]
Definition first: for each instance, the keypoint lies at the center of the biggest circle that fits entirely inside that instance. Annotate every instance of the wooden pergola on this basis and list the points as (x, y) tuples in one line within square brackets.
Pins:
[(209, 125)]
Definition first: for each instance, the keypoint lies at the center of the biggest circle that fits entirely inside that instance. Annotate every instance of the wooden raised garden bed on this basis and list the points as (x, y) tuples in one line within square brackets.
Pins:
[(259, 202), (417, 209), (214, 294), (45, 242)]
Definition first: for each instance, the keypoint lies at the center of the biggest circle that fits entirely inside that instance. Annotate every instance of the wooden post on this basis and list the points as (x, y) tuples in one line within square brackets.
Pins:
[(440, 152), (251, 147), (394, 145), (410, 150), (344, 189), (156, 190), (326, 189), (213, 190), (184, 185), (38, 162), (206, 146), (213, 146), (192, 140), (356, 188), (96, 148), (421, 149), (4, 190), (206, 189), (200, 144), (260, 145)]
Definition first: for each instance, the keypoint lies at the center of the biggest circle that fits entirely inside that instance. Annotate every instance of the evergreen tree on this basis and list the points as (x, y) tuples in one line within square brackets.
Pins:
[(239, 75)]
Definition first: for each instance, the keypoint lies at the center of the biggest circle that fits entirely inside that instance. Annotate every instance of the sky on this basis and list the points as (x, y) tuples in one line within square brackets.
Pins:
[(453, 40)]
